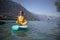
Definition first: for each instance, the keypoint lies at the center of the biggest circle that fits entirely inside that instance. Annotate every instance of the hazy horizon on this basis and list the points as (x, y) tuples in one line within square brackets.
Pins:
[(40, 7)]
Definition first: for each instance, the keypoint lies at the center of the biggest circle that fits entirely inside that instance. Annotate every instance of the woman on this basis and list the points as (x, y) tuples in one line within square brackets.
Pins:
[(21, 19)]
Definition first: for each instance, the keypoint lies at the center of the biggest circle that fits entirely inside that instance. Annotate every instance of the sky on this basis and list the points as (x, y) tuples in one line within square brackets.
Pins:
[(40, 7)]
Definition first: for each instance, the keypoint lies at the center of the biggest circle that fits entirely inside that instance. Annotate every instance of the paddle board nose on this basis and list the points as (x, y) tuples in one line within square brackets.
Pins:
[(17, 27)]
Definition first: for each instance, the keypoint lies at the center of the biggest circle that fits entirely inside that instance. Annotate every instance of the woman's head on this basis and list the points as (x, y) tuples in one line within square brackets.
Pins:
[(21, 12)]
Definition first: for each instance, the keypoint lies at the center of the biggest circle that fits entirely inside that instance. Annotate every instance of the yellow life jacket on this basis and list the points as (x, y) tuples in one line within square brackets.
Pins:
[(20, 19)]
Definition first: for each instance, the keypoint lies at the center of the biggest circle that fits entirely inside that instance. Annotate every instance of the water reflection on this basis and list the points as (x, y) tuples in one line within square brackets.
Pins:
[(1, 23), (20, 33), (58, 33), (41, 30)]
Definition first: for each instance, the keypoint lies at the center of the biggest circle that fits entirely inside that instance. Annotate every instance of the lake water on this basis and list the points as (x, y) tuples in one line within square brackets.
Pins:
[(37, 30)]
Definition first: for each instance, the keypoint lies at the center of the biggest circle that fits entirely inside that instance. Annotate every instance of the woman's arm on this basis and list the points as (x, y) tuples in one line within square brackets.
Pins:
[(17, 20), (25, 20)]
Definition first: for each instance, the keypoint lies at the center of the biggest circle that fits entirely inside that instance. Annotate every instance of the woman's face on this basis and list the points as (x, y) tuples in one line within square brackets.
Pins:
[(21, 13)]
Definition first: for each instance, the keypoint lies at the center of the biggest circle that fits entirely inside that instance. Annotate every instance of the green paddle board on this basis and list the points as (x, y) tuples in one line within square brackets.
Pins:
[(19, 27)]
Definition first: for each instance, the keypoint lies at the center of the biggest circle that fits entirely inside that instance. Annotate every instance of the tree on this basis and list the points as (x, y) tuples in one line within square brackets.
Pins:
[(57, 3)]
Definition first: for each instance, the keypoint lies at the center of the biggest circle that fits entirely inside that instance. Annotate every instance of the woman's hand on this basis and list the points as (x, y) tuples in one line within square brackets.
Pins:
[(16, 22)]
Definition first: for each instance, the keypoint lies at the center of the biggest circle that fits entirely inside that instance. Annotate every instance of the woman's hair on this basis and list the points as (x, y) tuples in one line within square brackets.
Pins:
[(21, 11)]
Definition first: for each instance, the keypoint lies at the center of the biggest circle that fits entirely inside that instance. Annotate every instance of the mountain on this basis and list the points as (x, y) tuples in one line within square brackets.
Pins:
[(10, 10), (46, 18), (41, 17)]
